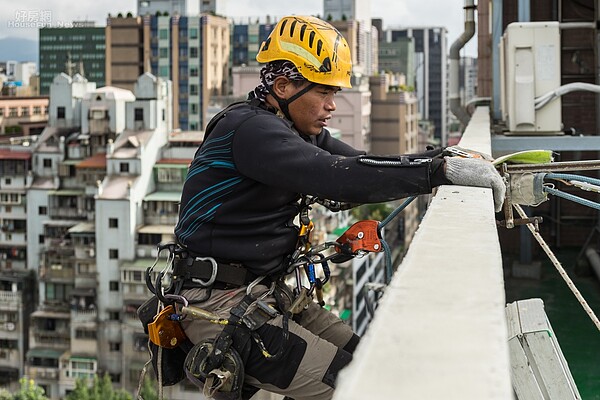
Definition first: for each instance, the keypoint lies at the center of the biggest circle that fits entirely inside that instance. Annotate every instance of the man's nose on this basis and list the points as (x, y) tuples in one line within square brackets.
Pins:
[(330, 104)]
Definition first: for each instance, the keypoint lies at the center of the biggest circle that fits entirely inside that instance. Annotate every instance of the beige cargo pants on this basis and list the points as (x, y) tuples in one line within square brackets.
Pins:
[(319, 346)]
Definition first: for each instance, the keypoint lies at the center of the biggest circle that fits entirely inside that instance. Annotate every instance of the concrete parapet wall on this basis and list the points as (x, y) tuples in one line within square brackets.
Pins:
[(440, 329)]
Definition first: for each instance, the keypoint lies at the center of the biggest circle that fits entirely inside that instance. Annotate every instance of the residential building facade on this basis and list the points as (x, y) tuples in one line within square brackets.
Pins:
[(193, 52), (127, 50), (23, 116), (98, 203), (246, 40)]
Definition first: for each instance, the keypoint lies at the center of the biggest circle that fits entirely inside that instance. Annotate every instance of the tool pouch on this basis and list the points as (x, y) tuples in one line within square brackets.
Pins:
[(172, 358)]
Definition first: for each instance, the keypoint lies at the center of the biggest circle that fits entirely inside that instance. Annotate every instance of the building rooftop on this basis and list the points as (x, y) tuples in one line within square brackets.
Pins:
[(128, 142), (43, 183), (187, 136), (14, 155), (96, 161), (177, 161), (112, 93), (117, 188)]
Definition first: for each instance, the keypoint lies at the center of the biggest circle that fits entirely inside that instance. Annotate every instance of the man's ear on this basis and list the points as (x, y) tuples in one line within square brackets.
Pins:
[(281, 87)]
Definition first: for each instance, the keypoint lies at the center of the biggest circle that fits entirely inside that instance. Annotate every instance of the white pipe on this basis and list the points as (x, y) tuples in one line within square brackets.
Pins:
[(454, 73)]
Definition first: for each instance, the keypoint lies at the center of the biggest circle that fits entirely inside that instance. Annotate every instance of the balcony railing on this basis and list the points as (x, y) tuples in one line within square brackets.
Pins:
[(46, 373), (78, 315), (10, 298)]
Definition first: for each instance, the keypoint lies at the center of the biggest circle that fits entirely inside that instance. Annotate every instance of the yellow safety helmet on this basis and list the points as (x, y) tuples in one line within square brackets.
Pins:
[(317, 49)]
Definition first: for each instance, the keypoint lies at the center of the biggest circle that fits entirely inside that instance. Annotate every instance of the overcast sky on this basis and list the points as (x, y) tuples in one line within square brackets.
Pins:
[(395, 13)]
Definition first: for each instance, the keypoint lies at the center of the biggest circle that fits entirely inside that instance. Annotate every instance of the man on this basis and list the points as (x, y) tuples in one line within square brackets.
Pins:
[(242, 194)]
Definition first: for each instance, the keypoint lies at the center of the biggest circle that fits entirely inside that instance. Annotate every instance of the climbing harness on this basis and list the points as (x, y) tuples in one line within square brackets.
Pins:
[(215, 364)]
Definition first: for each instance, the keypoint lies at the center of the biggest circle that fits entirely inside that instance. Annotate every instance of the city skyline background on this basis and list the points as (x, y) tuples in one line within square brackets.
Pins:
[(405, 13)]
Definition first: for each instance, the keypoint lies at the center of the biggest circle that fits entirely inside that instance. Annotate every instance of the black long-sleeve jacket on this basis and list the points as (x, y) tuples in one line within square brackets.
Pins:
[(242, 190)]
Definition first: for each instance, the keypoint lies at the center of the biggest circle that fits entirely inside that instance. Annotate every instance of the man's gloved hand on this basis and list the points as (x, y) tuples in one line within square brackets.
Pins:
[(476, 172)]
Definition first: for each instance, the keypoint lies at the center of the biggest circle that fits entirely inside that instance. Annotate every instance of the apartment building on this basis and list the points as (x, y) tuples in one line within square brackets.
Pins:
[(246, 40), (193, 52), (23, 116), (98, 204), (127, 50), (395, 130), (17, 285)]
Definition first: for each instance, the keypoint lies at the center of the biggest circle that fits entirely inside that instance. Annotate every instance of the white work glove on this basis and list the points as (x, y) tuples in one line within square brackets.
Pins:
[(476, 172)]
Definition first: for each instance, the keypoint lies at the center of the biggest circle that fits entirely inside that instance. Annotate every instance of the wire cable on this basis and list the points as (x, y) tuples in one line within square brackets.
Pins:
[(560, 268)]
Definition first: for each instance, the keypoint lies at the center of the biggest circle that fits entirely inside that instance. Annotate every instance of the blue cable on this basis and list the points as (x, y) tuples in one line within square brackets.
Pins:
[(576, 199), (573, 177), (396, 211)]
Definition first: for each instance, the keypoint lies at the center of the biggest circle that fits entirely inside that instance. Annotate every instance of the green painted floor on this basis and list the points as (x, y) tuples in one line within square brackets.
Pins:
[(577, 335)]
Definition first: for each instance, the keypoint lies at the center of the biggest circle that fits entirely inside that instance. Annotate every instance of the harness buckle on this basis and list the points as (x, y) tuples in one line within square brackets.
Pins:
[(213, 275)]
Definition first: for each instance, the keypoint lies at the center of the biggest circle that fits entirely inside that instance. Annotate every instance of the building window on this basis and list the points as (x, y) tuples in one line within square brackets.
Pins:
[(139, 114), (193, 90), (12, 112), (60, 112), (113, 254), (149, 239), (24, 111), (113, 315), (41, 239), (7, 181), (163, 53), (193, 33), (194, 108), (113, 286), (85, 334), (163, 34), (114, 346), (124, 167), (1, 112), (193, 52), (113, 223), (47, 162), (43, 210), (193, 71), (163, 71), (37, 110), (169, 175), (163, 114)]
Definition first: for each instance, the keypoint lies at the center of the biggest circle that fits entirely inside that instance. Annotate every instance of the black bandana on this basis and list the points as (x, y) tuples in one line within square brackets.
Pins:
[(272, 70)]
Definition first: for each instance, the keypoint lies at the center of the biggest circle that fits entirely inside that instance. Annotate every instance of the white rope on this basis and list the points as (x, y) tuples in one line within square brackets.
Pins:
[(560, 269)]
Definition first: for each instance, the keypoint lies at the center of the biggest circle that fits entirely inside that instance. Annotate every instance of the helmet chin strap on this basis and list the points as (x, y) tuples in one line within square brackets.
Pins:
[(284, 103)]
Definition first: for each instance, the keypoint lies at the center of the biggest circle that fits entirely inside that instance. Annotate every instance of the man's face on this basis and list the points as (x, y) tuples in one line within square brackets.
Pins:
[(312, 110)]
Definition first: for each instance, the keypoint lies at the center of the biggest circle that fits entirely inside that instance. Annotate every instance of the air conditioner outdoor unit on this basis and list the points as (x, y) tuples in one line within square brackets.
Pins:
[(530, 68)]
